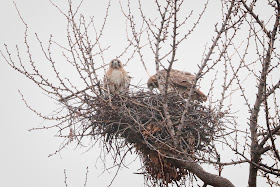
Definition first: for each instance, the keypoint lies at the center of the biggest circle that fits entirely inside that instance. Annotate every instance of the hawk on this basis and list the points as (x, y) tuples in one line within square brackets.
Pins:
[(179, 81), (116, 79)]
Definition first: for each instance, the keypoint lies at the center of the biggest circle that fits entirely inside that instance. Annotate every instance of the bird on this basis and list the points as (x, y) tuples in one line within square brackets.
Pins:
[(179, 82), (116, 80)]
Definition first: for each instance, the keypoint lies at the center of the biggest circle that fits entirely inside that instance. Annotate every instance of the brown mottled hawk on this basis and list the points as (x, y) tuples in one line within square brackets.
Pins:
[(179, 81), (116, 79)]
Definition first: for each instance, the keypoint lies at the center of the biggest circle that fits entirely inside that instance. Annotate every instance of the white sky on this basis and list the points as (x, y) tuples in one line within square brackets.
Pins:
[(24, 157)]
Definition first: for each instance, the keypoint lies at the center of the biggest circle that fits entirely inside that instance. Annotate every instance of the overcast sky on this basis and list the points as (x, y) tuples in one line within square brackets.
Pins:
[(24, 157)]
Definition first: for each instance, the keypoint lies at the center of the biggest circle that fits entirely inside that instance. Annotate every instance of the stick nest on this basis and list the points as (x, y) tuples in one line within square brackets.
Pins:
[(138, 120)]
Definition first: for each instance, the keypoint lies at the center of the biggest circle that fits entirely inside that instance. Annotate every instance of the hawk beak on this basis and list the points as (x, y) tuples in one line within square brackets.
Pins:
[(114, 64)]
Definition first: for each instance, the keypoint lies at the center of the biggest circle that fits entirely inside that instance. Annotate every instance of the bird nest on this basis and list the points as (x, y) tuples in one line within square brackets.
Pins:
[(138, 120)]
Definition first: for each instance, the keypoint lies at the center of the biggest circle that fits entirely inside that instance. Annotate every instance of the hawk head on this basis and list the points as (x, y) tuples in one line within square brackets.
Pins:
[(152, 83), (116, 64)]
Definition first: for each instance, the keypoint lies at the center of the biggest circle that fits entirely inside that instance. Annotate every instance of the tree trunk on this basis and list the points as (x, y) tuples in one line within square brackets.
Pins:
[(252, 182), (207, 178)]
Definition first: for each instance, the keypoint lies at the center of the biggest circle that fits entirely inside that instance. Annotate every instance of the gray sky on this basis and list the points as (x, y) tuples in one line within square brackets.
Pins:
[(24, 157)]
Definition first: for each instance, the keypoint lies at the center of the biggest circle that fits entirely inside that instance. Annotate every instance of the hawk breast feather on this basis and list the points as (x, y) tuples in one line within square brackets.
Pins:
[(116, 76)]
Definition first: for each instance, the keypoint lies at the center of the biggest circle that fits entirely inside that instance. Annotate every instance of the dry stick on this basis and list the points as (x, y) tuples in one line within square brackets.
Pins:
[(250, 10), (157, 61), (65, 178), (268, 127), (98, 41), (165, 105), (74, 94), (255, 156), (260, 166), (119, 167), (221, 31), (85, 184), (43, 82), (84, 46), (193, 167), (136, 36), (79, 41), (276, 153), (272, 90)]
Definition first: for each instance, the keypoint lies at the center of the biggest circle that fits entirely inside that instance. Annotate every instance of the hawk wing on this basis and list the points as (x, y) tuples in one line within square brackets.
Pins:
[(124, 87), (181, 82), (181, 79)]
